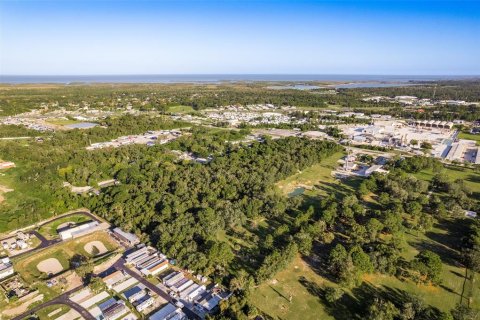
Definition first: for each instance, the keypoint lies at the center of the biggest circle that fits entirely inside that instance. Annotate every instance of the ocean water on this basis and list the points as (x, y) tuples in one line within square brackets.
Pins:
[(215, 78)]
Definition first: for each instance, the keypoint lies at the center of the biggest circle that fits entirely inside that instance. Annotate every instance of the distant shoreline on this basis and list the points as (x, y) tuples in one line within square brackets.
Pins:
[(222, 78)]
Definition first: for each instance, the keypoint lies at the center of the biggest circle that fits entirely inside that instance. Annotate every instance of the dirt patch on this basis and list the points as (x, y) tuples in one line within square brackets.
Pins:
[(73, 281), (100, 247), (50, 266), (4, 189)]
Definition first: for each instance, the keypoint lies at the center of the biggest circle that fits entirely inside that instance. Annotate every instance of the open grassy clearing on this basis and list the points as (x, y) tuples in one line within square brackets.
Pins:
[(305, 285), (180, 109), (13, 213), (27, 266), (444, 239), (49, 230), (317, 179), (273, 297), (468, 176), (56, 310), (300, 281), (61, 122), (469, 136)]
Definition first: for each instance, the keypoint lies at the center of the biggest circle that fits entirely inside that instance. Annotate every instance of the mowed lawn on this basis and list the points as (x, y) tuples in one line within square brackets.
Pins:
[(180, 109), (303, 286), (49, 230), (57, 310), (63, 252), (469, 136), (61, 122), (468, 176), (441, 240), (300, 282), (273, 297), (316, 179)]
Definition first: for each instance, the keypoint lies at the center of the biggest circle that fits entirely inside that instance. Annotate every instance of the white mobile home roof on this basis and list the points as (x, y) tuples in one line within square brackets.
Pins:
[(139, 258), (125, 284), (127, 235), (183, 286), (164, 312), (136, 253), (93, 300), (174, 279), (170, 275)]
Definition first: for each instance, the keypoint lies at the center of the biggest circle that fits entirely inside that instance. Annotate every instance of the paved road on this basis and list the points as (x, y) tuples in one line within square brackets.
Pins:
[(44, 242), (61, 299), (120, 265)]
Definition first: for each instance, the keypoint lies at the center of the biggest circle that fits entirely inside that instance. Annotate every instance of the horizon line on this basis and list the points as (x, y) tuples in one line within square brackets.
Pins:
[(223, 74)]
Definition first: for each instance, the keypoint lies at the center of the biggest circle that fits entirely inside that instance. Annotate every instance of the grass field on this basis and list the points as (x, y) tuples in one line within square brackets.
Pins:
[(43, 313), (49, 230), (13, 212), (316, 179), (27, 266), (180, 109), (469, 136), (304, 286), (444, 239), (469, 177), (273, 296), (62, 122)]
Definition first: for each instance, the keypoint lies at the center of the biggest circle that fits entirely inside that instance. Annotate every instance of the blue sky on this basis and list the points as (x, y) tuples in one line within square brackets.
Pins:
[(69, 37)]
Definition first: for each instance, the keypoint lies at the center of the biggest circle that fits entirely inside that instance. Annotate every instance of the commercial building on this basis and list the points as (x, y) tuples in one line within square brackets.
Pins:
[(78, 230)]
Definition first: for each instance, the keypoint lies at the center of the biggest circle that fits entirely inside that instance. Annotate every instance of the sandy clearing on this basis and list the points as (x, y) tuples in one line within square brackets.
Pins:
[(95, 244), (5, 189), (50, 266)]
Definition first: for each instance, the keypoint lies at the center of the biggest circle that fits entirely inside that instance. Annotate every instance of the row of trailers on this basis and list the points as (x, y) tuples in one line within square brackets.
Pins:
[(148, 260), (182, 287)]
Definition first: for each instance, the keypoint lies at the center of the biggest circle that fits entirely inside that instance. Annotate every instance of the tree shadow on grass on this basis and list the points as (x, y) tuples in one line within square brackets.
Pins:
[(475, 178), (338, 189), (318, 260), (458, 274), (354, 305), (447, 255), (455, 232)]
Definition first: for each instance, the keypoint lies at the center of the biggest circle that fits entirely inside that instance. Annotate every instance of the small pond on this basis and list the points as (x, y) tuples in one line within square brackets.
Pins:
[(298, 191), (81, 125)]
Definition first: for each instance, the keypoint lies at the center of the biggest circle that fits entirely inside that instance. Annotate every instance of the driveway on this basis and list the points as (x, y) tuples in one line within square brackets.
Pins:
[(62, 299)]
